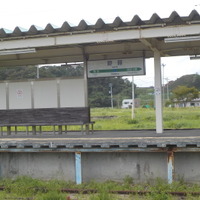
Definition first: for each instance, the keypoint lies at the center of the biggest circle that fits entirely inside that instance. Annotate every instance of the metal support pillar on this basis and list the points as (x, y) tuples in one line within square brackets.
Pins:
[(170, 166), (78, 169), (158, 93), (85, 65)]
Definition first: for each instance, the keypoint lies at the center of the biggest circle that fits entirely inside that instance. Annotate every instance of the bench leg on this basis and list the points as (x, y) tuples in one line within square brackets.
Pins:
[(1, 129), (92, 127), (34, 130), (65, 128), (27, 130), (87, 128), (59, 129), (8, 130), (40, 130), (15, 130)]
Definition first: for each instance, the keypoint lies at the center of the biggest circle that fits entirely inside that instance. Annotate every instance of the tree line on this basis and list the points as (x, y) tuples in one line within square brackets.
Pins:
[(184, 89)]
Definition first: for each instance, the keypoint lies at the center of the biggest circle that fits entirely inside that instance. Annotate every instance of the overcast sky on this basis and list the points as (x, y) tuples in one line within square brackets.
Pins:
[(25, 13)]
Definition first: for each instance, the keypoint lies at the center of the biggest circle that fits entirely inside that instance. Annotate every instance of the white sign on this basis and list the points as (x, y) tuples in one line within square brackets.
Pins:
[(19, 93), (116, 67)]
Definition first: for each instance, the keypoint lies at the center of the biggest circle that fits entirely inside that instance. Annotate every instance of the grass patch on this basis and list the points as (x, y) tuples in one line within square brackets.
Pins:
[(121, 119), (173, 118), (28, 188)]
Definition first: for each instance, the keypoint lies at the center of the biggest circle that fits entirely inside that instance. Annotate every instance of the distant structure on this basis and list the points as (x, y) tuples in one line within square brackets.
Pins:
[(193, 103), (127, 103)]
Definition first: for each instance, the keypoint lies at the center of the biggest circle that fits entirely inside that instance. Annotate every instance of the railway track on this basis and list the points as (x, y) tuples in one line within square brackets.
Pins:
[(70, 193)]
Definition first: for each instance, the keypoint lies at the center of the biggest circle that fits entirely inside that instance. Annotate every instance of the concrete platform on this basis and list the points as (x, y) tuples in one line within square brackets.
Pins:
[(103, 140), (104, 155)]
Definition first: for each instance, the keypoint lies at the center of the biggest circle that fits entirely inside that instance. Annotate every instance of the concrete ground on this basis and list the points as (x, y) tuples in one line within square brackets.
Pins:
[(104, 139), (110, 134)]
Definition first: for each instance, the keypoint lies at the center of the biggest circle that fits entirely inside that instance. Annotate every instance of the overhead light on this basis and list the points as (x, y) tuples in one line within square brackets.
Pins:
[(17, 51), (182, 39), (52, 65), (74, 63), (195, 57)]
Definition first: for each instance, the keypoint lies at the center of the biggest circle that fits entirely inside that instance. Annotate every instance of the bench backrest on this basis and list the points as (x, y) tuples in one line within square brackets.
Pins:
[(46, 116)]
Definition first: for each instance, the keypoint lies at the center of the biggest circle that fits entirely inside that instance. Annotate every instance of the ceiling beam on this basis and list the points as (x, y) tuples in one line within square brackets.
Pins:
[(152, 45)]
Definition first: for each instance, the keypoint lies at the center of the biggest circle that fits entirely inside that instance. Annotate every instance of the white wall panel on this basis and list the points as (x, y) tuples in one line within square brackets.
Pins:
[(72, 93), (3, 96), (45, 94), (19, 95)]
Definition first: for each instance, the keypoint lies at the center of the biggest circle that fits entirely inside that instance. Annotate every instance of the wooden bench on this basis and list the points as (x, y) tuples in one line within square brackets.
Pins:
[(46, 117)]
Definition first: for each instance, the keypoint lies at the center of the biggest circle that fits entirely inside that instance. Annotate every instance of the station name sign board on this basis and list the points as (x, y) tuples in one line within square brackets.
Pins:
[(116, 67)]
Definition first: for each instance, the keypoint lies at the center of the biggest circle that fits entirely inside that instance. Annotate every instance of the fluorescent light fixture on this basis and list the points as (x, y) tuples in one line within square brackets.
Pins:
[(74, 63), (17, 51), (182, 39), (195, 57), (52, 65)]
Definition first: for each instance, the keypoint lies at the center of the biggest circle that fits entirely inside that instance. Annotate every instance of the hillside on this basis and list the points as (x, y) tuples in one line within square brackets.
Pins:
[(146, 94), (192, 80)]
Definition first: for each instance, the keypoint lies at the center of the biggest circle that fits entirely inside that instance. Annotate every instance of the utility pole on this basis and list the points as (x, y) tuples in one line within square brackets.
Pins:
[(111, 94), (38, 72), (167, 88), (133, 98), (163, 82)]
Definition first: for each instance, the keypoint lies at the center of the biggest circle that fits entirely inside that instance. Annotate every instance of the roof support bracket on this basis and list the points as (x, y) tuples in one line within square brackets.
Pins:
[(151, 45)]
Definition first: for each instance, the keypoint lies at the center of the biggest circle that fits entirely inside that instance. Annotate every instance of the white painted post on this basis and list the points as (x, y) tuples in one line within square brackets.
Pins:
[(170, 167), (158, 93), (78, 168), (85, 81), (38, 71), (111, 94), (133, 98)]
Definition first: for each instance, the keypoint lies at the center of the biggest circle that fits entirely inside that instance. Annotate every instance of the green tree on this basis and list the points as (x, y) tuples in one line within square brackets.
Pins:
[(99, 95), (185, 94)]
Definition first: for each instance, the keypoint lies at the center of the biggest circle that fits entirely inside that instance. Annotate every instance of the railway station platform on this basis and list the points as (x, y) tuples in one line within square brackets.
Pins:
[(104, 139), (104, 155)]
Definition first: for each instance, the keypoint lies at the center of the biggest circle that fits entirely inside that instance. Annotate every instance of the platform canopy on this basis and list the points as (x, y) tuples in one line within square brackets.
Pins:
[(156, 37), (172, 36)]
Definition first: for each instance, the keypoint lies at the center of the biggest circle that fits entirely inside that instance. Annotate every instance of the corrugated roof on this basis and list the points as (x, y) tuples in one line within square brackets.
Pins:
[(100, 25)]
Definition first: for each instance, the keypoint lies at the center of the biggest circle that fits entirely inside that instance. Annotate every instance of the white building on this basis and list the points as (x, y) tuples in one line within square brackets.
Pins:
[(193, 103)]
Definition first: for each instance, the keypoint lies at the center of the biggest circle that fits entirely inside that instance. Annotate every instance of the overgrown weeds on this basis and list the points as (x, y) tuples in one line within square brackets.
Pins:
[(28, 188), (174, 118)]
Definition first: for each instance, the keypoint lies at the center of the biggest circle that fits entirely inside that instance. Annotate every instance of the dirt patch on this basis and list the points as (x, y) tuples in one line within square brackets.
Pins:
[(104, 117)]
